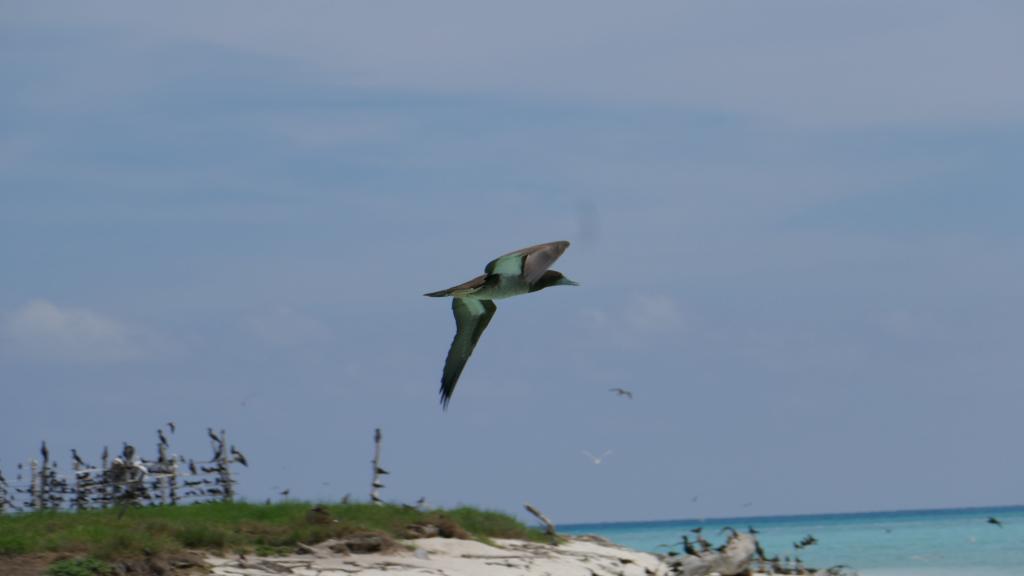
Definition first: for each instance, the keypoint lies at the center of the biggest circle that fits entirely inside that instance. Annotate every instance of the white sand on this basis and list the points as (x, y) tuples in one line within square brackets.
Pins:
[(452, 557)]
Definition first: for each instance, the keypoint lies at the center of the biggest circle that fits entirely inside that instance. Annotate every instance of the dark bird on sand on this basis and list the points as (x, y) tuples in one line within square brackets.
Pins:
[(513, 274), (995, 521), (622, 392)]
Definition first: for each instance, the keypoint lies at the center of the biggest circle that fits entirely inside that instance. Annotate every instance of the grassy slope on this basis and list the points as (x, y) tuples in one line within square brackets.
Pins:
[(226, 527)]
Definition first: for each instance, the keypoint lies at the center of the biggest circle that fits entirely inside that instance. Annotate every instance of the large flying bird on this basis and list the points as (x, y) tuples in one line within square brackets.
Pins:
[(515, 273)]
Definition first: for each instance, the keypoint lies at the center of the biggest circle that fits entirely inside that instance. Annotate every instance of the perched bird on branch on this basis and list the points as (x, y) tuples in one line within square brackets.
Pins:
[(807, 541), (76, 458), (513, 274), (239, 457), (688, 546), (45, 452), (214, 437), (160, 434), (622, 392), (381, 471)]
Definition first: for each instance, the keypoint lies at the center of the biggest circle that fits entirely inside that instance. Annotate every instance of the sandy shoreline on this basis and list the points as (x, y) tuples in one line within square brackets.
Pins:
[(453, 557)]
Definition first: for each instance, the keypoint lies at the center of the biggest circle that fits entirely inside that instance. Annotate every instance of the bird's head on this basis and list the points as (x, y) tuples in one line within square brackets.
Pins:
[(551, 278)]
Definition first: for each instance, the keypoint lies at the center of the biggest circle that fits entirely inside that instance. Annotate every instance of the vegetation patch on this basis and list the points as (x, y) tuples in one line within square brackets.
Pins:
[(110, 535), (80, 567)]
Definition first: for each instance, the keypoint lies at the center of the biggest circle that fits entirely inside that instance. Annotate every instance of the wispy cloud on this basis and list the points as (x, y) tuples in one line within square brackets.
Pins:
[(647, 313), (42, 331), (286, 328)]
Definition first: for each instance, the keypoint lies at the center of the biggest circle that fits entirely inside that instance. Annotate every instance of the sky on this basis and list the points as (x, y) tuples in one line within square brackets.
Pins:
[(796, 226)]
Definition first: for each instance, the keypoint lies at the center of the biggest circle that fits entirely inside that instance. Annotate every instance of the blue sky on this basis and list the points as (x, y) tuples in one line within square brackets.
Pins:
[(796, 226)]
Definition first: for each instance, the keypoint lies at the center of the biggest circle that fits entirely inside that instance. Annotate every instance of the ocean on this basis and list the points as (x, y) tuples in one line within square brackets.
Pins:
[(910, 543)]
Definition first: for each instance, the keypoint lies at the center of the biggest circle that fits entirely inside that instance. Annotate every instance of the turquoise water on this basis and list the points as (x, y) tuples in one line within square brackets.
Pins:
[(913, 543)]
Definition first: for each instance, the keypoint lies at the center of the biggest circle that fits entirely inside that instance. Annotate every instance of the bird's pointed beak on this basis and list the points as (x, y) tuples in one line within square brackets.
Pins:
[(567, 282)]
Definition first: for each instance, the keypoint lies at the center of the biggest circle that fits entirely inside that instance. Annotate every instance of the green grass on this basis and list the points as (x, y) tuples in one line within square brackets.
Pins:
[(80, 567), (219, 527)]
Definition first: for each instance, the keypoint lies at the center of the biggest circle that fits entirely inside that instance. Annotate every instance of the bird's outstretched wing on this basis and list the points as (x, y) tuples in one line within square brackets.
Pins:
[(462, 289), (529, 262), (471, 318)]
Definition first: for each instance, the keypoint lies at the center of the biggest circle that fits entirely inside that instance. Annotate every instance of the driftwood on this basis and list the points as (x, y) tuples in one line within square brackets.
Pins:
[(735, 558), (550, 527)]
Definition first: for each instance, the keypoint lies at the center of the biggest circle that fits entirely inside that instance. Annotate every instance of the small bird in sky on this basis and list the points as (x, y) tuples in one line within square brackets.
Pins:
[(285, 492), (171, 427), (597, 459), (622, 392), (513, 274), (995, 521)]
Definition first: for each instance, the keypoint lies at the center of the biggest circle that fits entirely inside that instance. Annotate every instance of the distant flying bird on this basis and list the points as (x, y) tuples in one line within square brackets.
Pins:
[(171, 427), (995, 521), (597, 459), (622, 392), (513, 274), (285, 492)]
